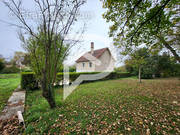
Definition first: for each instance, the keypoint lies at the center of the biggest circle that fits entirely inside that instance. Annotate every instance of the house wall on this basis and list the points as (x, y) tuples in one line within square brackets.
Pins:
[(86, 68), (107, 62)]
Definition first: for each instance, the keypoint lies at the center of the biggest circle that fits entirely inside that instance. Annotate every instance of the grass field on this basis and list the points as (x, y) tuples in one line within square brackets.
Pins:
[(109, 107), (8, 82)]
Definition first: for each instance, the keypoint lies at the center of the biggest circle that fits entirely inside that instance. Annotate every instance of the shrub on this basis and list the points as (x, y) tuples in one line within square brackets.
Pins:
[(9, 70), (72, 69), (28, 81)]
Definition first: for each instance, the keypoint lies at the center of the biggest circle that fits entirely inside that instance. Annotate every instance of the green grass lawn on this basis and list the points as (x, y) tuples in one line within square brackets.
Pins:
[(8, 82), (109, 107)]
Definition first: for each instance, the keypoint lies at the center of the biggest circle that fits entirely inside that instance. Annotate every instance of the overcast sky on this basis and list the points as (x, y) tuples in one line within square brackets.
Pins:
[(96, 31)]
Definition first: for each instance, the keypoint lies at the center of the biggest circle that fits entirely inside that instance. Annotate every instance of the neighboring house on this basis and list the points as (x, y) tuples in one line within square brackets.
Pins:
[(96, 61)]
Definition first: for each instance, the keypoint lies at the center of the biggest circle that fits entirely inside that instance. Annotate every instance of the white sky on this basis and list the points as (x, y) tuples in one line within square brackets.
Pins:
[(96, 31)]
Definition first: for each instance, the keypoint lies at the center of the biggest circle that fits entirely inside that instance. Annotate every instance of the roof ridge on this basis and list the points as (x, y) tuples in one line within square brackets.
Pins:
[(97, 53), (99, 49)]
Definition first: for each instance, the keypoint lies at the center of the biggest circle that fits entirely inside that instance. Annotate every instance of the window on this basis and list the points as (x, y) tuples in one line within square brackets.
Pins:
[(83, 64), (90, 64)]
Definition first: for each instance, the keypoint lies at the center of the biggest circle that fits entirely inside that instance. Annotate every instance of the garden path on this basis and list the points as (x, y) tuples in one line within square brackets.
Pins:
[(15, 103)]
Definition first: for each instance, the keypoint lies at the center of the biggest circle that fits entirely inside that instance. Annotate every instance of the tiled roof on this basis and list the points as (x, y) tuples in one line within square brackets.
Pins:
[(97, 54)]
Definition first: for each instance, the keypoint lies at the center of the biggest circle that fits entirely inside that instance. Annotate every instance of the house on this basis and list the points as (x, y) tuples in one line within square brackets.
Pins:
[(96, 61)]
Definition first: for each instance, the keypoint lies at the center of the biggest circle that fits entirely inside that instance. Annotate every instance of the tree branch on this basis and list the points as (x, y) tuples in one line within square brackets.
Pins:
[(149, 19)]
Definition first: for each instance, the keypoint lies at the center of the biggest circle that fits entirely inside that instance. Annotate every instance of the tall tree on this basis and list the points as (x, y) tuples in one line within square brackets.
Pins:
[(50, 29), (136, 22)]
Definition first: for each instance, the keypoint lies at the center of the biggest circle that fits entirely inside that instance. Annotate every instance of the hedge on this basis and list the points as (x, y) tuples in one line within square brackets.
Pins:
[(10, 70), (72, 75), (146, 76), (28, 80)]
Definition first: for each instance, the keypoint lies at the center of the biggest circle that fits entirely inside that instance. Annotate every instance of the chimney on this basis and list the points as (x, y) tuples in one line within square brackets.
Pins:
[(92, 47)]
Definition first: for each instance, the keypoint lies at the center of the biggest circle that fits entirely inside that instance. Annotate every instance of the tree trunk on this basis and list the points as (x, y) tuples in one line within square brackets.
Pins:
[(139, 74), (47, 93)]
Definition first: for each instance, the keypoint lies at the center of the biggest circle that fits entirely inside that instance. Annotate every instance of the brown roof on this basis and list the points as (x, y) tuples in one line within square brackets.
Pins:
[(97, 54)]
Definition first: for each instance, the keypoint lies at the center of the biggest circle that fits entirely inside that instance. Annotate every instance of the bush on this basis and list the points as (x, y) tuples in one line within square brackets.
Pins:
[(9, 70), (28, 81), (72, 69)]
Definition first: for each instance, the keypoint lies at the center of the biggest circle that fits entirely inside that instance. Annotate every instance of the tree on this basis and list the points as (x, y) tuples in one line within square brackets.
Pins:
[(129, 66), (18, 58), (138, 22), (120, 69), (2, 65), (155, 65), (38, 51), (138, 59), (48, 34)]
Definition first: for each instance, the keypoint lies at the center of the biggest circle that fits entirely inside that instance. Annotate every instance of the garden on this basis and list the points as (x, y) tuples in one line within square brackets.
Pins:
[(114, 105), (120, 106), (140, 96)]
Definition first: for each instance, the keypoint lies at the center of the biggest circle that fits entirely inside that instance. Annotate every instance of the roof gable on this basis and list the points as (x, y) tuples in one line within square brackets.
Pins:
[(97, 53)]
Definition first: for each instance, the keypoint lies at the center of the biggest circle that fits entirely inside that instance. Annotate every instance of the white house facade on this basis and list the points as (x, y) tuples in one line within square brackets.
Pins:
[(100, 60)]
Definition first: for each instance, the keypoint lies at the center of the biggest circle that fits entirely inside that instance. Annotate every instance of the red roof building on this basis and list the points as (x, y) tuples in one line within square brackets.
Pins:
[(95, 61)]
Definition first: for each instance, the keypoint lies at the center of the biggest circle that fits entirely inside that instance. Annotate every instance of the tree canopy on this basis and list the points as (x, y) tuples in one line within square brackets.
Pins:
[(35, 48), (138, 22)]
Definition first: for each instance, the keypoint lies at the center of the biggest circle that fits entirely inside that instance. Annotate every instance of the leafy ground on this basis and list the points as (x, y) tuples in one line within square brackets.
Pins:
[(109, 107), (8, 82), (11, 126)]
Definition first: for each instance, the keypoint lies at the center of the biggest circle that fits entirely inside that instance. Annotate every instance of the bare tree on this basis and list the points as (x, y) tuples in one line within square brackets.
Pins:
[(47, 36)]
